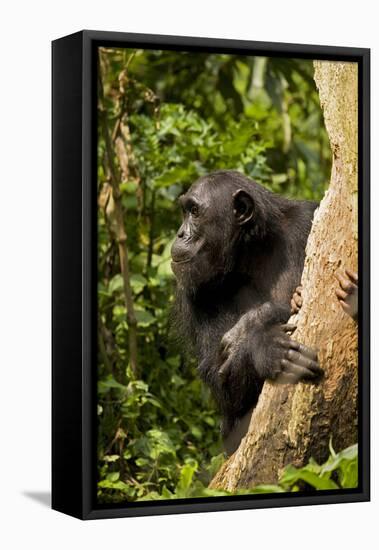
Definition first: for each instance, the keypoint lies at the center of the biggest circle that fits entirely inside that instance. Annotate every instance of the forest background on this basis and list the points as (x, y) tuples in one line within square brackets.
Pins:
[(165, 119)]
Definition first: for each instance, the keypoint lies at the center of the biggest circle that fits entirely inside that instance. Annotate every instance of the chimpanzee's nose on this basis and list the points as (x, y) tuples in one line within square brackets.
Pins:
[(180, 233)]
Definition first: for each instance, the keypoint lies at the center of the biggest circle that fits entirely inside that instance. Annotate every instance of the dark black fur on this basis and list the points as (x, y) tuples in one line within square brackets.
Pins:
[(238, 258)]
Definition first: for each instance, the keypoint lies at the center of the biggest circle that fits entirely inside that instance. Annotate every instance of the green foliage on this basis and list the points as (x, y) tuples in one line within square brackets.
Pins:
[(172, 117), (340, 471)]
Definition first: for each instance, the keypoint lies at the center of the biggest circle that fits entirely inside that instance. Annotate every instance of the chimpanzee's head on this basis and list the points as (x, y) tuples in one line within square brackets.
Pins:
[(220, 211)]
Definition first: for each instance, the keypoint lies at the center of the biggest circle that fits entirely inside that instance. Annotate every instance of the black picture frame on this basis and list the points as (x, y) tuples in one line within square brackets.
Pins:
[(74, 273)]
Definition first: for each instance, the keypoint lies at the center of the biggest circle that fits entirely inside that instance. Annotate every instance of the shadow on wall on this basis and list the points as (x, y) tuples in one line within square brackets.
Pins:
[(42, 497)]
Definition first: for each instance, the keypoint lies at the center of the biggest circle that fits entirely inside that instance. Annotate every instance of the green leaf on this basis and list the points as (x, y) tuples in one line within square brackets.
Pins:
[(166, 494), (160, 444), (119, 312), (335, 460), (292, 475), (116, 485), (109, 383), (111, 458), (196, 432), (154, 402), (239, 139), (137, 282), (179, 174), (116, 283), (128, 187), (139, 385), (186, 475), (144, 318), (348, 476), (114, 476)]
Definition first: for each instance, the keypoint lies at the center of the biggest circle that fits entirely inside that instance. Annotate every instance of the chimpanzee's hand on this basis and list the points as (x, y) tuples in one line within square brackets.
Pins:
[(296, 361), (268, 353), (347, 293), (296, 300)]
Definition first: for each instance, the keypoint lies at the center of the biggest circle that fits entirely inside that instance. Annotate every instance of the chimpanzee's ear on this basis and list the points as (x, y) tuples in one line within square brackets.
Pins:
[(243, 206)]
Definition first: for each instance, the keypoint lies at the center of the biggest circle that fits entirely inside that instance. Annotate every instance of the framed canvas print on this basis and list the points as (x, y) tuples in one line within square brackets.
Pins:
[(210, 275)]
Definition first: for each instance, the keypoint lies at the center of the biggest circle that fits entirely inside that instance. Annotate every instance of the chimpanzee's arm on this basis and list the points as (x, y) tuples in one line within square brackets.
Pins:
[(261, 339), (257, 348)]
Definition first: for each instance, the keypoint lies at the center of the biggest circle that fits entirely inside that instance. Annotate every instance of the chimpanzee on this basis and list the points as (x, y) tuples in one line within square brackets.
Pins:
[(238, 257)]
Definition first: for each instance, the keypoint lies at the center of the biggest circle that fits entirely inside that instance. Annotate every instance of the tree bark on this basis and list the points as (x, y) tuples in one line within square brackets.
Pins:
[(292, 423)]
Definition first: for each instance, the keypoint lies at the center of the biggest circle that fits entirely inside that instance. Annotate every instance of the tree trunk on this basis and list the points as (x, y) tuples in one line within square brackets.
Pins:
[(292, 423)]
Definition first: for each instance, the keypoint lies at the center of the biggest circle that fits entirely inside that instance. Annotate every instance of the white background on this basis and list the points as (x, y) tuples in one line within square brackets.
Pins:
[(26, 31)]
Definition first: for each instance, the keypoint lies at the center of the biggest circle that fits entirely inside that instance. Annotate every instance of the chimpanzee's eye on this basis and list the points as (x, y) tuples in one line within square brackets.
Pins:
[(194, 210)]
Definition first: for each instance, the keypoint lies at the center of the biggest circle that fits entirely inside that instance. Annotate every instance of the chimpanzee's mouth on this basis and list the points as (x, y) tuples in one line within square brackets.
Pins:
[(178, 262)]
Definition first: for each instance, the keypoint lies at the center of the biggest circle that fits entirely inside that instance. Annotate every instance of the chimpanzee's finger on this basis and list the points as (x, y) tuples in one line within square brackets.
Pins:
[(345, 284), (345, 307), (288, 343), (299, 360), (298, 299), (294, 307), (343, 281), (341, 294), (302, 349), (352, 275), (312, 353), (288, 327), (301, 372)]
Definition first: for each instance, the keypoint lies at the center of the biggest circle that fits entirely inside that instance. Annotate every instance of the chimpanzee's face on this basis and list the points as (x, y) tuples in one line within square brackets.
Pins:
[(205, 242)]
